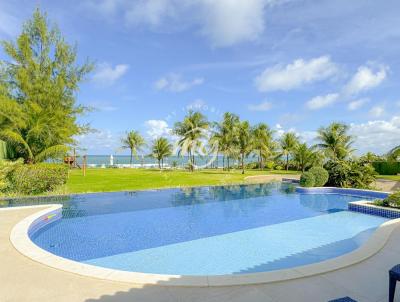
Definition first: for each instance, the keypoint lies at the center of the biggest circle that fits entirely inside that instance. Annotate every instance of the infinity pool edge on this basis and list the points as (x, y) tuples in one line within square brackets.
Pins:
[(19, 237)]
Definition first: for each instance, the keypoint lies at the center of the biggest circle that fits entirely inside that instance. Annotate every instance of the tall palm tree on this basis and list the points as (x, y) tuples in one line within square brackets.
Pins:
[(306, 157), (229, 128), (192, 132), (245, 144), (262, 141), (160, 150), (133, 141), (288, 143), (335, 141)]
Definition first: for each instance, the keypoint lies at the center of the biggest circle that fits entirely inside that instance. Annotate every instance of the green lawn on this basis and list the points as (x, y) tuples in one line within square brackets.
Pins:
[(389, 177), (106, 180)]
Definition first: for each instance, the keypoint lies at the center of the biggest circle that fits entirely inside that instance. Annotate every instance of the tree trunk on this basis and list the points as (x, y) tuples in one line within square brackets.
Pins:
[(223, 162), (227, 162), (159, 165), (162, 163), (130, 162), (287, 162), (242, 163)]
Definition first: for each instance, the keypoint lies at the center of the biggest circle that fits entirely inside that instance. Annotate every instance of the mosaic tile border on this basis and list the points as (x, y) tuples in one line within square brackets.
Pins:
[(366, 207)]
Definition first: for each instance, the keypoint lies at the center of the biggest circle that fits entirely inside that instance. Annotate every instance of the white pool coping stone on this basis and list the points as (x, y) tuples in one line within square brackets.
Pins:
[(19, 237)]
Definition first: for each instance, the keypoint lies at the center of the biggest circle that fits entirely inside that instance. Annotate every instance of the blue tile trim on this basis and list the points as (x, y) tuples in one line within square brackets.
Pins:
[(372, 210)]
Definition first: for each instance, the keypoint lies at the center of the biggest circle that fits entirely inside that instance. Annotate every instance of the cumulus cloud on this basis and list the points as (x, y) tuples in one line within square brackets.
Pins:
[(223, 22), (377, 111), (366, 78), (296, 74), (228, 22), (174, 83), (357, 104), (322, 101), (378, 136), (264, 106), (107, 74), (158, 128), (101, 141)]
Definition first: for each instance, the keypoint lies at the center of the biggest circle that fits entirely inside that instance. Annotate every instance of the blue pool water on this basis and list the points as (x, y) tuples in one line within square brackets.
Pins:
[(207, 230)]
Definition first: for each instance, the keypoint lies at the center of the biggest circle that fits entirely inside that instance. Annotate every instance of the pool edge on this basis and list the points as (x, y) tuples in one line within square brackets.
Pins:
[(19, 237)]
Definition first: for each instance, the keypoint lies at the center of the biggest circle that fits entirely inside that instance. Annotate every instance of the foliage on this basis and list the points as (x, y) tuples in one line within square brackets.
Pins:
[(288, 143), (350, 174), (7, 168), (192, 132), (370, 157), (133, 141), (321, 176), (38, 85), (161, 149), (392, 200), (262, 143), (307, 179), (335, 141), (38, 178), (306, 157), (387, 167), (225, 137), (244, 141)]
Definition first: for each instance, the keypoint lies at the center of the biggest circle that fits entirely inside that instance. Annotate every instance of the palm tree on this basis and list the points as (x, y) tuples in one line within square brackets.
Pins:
[(192, 132), (133, 141), (306, 157), (262, 140), (161, 149), (288, 143), (229, 133), (335, 141), (245, 145)]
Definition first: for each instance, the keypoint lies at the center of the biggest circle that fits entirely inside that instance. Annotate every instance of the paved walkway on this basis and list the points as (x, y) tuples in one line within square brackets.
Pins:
[(387, 185), (22, 280)]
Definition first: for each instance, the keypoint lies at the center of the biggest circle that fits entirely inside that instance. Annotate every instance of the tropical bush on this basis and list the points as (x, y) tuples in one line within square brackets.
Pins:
[(38, 178), (393, 200), (350, 174), (307, 179), (7, 168), (387, 167), (321, 176)]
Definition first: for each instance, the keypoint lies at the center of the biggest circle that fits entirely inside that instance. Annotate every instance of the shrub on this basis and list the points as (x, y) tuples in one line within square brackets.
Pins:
[(393, 200), (278, 167), (307, 179), (350, 174), (321, 176), (7, 168), (269, 165), (387, 167), (38, 178)]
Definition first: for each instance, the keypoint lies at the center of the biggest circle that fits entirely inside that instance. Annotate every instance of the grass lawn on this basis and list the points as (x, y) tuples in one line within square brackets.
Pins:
[(106, 180), (389, 177)]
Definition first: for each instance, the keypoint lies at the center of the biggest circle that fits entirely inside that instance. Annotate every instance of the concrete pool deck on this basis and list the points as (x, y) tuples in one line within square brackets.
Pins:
[(22, 279)]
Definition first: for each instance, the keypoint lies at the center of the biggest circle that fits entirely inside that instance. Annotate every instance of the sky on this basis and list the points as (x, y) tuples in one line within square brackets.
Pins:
[(296, 65)]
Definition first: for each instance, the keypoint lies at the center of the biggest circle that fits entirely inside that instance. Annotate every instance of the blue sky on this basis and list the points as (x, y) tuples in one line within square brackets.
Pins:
[(293, 64)]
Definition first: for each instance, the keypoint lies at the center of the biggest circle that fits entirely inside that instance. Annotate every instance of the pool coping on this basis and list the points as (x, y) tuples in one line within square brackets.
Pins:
[(19, 237)]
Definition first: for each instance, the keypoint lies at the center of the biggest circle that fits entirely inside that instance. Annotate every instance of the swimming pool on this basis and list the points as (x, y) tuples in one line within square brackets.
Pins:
[(207, 230)]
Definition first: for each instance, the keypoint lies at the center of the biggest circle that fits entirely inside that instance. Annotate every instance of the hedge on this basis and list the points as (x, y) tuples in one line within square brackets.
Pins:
[(38, 178), (387, 167)]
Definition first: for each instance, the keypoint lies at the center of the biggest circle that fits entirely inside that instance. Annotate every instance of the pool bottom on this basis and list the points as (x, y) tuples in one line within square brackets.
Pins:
[(21, 241), (273, 247)]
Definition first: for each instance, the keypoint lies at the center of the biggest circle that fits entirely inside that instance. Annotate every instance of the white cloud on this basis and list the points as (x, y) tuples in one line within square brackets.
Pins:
[(377, 111), (322, 101), (296, 74), (378, 136), (107, 74), (365, 79), (174, 82), (357, 104), (228, 22), (158, 128), (223, 22), (264, 106), (99, 142)]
